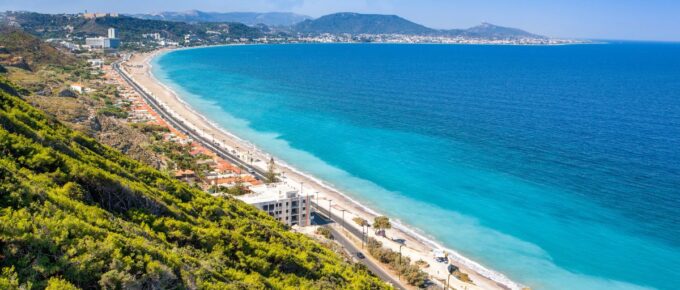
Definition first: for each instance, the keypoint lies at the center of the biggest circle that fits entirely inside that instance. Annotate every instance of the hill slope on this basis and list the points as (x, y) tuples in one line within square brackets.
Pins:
[(129, 28), (488, 30), (31, 49), (248, 18), (355, 23), (76, 213)]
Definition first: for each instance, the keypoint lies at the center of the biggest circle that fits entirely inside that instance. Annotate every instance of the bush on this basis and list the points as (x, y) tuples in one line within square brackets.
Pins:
[(412, 273), (323, 231), (361, 222), (113, 111), (59, 284), (462, 276)]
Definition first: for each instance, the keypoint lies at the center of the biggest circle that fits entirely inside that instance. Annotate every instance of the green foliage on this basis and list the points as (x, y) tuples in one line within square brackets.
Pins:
[(32, 49), (150, 128), (360, 221), (130, 29), (56, 283), (411, 272), (270, 175), (113, 111), (325, 232), (74, 213), (8, 278), (381, 223)]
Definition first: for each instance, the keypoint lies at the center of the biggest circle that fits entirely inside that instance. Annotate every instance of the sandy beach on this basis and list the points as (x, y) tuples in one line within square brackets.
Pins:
[(417, 246)]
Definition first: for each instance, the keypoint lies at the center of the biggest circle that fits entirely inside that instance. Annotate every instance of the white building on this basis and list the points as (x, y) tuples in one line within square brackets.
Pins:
[(95, 62), (112, 33), (281, 202), (77, 87), (102, 42)]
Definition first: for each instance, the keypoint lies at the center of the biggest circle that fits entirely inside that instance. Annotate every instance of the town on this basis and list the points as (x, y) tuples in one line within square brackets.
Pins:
[(226, 170)]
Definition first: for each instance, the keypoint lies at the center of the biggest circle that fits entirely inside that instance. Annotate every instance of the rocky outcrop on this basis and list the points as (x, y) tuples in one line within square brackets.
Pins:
[(68, 93), (118, 134)]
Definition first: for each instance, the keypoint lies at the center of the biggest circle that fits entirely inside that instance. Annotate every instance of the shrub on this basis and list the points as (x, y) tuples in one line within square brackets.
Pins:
[(412, 273), (323, 231), (361, 222)]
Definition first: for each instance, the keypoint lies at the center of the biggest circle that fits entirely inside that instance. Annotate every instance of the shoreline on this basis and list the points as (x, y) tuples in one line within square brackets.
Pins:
[(419, 243)]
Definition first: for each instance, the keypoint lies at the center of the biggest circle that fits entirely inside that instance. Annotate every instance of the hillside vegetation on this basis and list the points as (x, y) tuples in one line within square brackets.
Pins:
[(129, 29), (74, 213), (247, 18), (355, 23), (32, 50)]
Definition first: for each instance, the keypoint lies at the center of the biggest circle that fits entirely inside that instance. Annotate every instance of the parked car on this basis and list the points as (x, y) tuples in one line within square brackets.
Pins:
[(360, 255)]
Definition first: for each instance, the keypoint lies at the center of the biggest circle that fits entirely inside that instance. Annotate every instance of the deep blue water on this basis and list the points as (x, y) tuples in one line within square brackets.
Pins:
[(558, 166)]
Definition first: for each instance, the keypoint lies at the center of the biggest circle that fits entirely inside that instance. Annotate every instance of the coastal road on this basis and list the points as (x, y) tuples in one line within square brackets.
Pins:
[(224, 153), (356, 232), (185, 129), (352, 249), (322, 212)]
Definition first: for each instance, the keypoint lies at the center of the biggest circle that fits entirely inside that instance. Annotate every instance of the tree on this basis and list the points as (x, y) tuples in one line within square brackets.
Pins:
[(270, 176), (381, 224), (8, 278), (57, 283), (239, 188), (361, 222)]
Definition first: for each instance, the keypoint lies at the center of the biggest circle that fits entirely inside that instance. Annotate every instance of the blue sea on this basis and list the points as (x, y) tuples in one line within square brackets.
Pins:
[(558, 166)]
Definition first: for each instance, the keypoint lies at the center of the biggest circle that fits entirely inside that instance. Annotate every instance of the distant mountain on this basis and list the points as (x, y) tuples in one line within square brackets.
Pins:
[(248, 18), (487, 30), (355, 23)]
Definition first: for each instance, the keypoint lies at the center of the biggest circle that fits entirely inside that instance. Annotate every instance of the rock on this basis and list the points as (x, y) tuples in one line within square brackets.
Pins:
[(19, 62), (68, 93)]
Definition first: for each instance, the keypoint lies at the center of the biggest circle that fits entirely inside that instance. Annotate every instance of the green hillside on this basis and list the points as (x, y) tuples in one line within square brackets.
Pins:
[(76, 213), (356, 23)]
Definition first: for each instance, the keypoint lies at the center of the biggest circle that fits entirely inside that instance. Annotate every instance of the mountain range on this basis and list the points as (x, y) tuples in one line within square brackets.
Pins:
[(248, 18), (356, 23), (339, 23)]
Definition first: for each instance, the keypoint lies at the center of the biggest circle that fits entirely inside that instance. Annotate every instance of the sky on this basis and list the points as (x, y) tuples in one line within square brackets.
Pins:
[(593, 19)]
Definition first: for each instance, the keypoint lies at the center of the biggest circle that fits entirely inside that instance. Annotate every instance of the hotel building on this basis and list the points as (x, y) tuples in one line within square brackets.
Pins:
[(280, 201)]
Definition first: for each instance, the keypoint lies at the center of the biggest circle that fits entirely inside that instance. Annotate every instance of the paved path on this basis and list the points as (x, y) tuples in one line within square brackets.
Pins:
[(224, 153), (349, 246), (180, 126)]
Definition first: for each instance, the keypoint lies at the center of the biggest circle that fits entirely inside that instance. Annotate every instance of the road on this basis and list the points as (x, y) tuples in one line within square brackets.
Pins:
[(349, 246), (224, 153), (180, 126)]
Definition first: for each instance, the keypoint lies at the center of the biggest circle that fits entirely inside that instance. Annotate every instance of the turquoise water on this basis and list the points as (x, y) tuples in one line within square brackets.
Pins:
[(557, 166)]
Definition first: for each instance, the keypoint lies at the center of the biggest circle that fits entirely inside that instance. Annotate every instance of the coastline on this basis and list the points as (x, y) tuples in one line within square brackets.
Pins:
[(418, 244)]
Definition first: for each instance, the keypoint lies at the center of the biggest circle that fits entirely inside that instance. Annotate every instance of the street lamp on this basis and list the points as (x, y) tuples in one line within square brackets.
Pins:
[(343, 219), (362, 236), (400, 253), (451, 269), (364, 229), (330, 215)]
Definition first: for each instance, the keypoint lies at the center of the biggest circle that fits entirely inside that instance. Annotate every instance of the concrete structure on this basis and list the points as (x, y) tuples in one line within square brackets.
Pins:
[(102, 42), (281, 202), (112, 33), (95, 62), (77, 87), (99, 15)]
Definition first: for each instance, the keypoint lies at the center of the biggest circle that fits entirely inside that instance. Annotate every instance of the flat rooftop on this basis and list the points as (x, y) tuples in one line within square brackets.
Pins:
[(269, 192)]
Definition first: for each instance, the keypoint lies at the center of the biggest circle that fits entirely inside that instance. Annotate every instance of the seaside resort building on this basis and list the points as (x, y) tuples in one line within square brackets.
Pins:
[(280, 201), (111, 41)]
